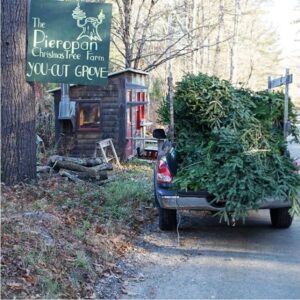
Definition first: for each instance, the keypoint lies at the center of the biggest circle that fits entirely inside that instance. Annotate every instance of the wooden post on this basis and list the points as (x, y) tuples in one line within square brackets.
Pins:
[(269, 83), (286, 106), (170, 85), (171, 103)]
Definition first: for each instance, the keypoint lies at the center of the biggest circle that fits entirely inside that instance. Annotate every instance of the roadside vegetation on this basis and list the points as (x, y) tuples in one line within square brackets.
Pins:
[(59, 238)]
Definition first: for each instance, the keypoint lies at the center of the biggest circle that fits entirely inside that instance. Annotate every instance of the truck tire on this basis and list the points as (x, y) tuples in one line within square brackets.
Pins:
[(167, 219), (280, 217)]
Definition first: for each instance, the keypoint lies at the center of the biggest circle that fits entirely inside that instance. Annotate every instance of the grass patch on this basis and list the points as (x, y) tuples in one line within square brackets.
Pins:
[(124, 197), (133, 189), (82, 261), (51, 288), (80, 232)]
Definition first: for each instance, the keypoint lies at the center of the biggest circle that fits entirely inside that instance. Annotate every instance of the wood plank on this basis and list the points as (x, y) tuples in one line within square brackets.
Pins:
[(108, 123), (111, 132), (110, 112), (84, 147), (88, 140), (109, 117), (88, 135)]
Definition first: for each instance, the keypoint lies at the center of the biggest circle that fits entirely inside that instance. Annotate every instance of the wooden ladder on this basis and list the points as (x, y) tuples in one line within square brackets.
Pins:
[(103, 147)]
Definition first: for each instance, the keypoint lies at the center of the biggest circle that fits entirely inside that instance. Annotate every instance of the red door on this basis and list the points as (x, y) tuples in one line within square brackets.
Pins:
[(129, 132)]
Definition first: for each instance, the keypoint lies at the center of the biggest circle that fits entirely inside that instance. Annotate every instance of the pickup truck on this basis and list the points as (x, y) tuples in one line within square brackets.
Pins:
[(168, 199)]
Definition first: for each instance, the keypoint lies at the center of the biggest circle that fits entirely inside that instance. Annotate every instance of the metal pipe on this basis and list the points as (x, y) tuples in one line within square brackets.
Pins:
[(64, 106), (64, 90)]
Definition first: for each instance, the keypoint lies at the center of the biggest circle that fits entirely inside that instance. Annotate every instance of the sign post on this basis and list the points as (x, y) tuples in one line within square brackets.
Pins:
[(286, 106), (284, 80), (68, 42)]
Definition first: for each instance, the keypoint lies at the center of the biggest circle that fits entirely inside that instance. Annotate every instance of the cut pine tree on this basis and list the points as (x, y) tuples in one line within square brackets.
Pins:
[(230, 142)]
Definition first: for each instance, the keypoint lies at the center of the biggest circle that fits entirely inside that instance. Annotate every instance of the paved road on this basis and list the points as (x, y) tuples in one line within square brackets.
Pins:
[(214, 261)]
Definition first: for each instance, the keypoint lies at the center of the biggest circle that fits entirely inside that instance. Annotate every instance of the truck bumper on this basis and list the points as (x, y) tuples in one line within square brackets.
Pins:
[(170, 199)]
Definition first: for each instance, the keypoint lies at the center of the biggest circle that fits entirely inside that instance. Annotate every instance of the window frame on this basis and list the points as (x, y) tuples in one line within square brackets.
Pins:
[(78, 115)]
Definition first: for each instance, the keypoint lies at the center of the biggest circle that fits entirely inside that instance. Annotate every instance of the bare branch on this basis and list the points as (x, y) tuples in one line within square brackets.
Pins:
[(143, 39), (180, 53), (118, 49)]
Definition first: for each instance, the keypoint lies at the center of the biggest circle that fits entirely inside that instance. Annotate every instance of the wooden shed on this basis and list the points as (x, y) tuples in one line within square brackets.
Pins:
[(117, 111)]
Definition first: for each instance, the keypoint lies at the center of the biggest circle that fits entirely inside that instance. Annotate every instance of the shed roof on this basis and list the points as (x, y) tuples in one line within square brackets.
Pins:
[(128, 70), (109, 75)]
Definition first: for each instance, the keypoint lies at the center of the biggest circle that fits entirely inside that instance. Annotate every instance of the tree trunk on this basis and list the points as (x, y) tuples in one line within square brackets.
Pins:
[(18, 154), (216, 65), (234, 42), (202, 37), (127, 33), (190, 12), (193, 40)]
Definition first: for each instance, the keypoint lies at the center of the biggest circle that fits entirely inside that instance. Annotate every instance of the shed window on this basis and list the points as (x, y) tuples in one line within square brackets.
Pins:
[(89, 116)]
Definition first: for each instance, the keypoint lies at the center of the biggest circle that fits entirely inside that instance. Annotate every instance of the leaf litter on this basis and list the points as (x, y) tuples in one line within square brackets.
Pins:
[(62, 240)]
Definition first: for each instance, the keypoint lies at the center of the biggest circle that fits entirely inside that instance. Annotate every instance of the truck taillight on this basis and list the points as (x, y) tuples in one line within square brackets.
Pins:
[(163, 172), (296, 162)]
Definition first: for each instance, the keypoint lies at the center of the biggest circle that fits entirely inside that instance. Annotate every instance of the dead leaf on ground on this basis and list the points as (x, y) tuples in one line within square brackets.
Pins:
[(15, 285), (100, 230), (32, 279), (70, 220)]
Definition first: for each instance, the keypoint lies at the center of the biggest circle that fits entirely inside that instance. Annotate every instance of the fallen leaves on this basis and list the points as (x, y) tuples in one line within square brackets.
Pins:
[(15, 285), (100, 229), (70, 220), (71, 215), (32, 279)]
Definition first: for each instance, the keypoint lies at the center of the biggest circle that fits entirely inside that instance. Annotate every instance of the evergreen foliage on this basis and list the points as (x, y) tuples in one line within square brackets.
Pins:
[(230, 142)]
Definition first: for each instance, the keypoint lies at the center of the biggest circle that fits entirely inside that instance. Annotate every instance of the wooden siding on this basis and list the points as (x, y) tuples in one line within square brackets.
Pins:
[(113, 117), (112, 122)]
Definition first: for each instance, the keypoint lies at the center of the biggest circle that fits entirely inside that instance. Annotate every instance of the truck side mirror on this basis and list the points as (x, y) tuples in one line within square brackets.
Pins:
[(159, 134)]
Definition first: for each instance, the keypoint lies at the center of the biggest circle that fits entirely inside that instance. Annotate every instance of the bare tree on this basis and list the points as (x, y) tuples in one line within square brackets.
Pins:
[(140, 37), (226, 38)]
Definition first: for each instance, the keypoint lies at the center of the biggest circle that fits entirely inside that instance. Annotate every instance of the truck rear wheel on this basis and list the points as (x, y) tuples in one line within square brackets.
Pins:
[(167, 219), (280, 217)]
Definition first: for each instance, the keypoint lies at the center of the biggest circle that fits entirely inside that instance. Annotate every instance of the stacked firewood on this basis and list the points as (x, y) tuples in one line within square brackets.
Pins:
[(77, 169)]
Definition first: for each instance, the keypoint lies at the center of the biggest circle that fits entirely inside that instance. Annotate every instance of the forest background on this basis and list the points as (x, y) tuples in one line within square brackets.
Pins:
[(243, 41)]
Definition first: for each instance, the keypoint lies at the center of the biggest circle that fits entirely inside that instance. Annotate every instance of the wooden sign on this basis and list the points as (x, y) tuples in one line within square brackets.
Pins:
[(283, 80), (68, 42), (280, 81)]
